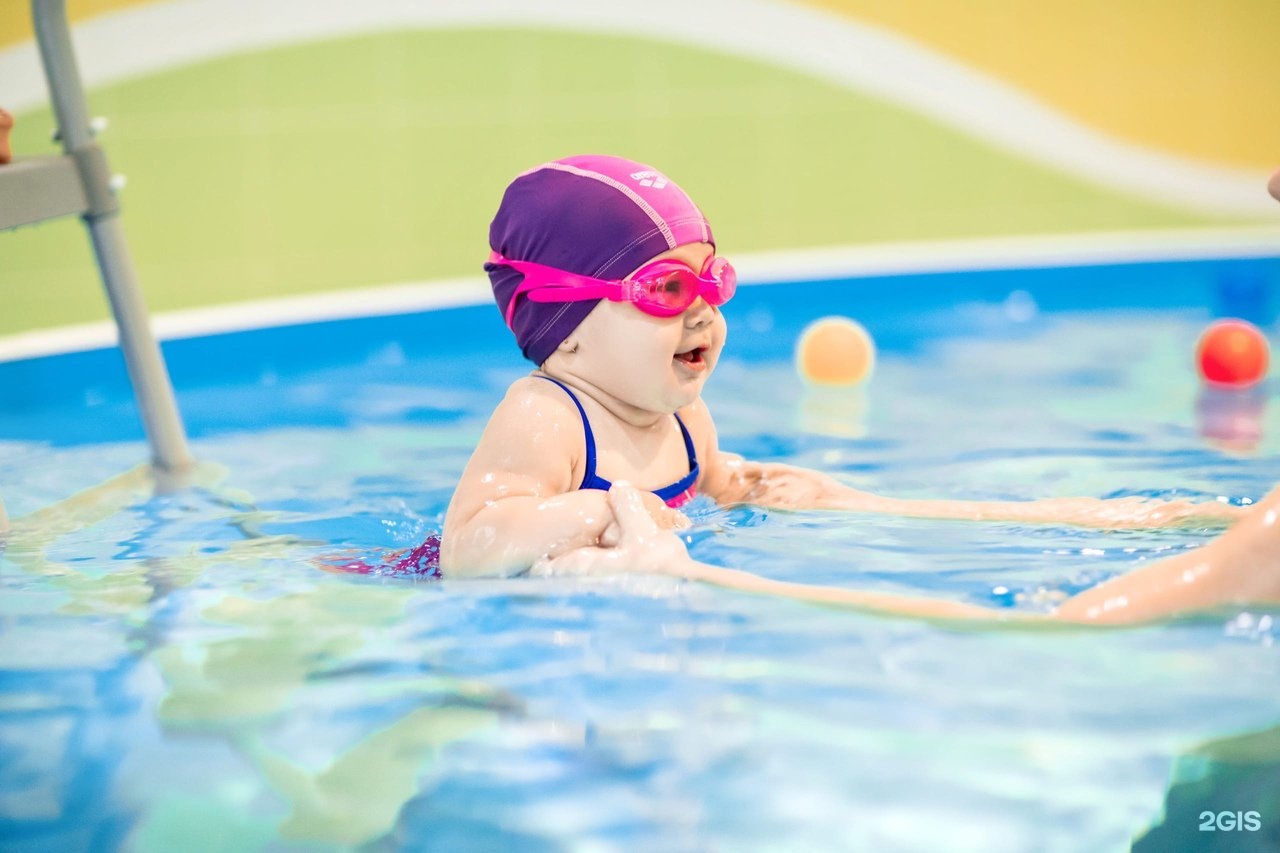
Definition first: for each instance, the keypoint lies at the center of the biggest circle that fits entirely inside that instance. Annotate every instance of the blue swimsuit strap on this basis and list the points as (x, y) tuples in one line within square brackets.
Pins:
[(590, 480)]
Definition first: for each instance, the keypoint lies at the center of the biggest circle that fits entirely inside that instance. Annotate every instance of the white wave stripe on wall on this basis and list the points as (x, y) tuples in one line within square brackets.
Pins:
[(146, 39)]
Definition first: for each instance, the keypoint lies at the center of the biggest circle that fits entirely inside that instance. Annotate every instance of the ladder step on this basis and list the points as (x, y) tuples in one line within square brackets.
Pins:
[(37, 188)]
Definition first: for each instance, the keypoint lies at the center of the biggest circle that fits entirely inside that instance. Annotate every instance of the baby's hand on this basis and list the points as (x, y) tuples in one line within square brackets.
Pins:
[(640, 543)]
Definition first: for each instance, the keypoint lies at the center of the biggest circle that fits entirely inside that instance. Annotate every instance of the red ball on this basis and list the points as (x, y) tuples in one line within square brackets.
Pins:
[(1233, 353)]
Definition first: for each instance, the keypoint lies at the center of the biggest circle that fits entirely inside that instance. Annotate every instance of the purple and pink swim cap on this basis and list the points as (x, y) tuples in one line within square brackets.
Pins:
[(593, 215)]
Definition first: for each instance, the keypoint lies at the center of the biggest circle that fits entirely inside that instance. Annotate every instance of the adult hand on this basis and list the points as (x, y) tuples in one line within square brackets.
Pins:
[(1140, 512), (664, 516), (638, 542)]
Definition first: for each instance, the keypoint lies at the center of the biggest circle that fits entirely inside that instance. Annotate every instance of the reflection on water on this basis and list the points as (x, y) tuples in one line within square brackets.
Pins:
[(278, 715), (838, 412), (1232, 418)]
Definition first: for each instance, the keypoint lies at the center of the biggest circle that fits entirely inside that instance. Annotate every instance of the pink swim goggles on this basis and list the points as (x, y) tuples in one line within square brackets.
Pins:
[(663, 288)]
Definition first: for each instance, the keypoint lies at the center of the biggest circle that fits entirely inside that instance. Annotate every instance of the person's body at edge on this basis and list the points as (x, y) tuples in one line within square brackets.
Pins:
[(519, 500), (6, 127)]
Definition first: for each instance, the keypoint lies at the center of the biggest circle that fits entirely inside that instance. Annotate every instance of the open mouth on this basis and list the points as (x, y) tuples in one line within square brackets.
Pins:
[(692, 358)]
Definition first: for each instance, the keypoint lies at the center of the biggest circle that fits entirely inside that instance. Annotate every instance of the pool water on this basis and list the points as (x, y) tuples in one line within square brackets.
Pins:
[(179, 674)]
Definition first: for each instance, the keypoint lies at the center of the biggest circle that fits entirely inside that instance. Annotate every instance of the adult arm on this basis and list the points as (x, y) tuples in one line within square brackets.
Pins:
[(1242, 566), (731, 479)]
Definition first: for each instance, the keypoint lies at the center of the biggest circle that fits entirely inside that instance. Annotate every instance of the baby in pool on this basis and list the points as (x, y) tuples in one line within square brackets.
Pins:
[(606, 273)]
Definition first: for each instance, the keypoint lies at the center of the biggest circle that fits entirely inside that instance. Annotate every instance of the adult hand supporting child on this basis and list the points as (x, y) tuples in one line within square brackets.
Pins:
[(634, 542), (663, 516)]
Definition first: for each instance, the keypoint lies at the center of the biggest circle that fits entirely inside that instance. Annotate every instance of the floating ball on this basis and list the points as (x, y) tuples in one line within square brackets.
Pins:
[(835, 351), (1232, 353)]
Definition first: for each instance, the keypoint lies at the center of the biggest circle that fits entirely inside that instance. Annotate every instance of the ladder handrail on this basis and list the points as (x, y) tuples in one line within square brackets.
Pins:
[(145, 363)]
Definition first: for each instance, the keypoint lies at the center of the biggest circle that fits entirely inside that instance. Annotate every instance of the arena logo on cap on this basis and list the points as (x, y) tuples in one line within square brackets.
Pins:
[(649, 178)]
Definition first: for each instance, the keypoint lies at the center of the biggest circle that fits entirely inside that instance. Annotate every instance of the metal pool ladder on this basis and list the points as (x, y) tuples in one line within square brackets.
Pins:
[(78, 183)]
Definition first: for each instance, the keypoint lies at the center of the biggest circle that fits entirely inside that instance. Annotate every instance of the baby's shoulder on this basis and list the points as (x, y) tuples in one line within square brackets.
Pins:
[(530, 397), (532, 425)]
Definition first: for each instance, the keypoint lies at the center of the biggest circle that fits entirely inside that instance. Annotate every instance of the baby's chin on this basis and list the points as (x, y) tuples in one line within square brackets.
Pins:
[(686, 390)]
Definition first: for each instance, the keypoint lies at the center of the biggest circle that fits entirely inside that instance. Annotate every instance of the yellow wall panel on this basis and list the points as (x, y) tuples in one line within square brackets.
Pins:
[(15, 15), (1191, 77)]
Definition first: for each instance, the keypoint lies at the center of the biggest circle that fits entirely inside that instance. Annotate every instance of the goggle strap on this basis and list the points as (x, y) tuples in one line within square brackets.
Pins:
[(547, 284), (566, 286)]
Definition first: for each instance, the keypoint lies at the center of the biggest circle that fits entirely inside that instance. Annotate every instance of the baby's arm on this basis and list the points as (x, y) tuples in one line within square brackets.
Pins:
[(506, 536), (516, 501), (731, 479)]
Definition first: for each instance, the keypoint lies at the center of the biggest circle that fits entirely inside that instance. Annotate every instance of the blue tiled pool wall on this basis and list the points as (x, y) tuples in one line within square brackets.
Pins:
[(85, 396)]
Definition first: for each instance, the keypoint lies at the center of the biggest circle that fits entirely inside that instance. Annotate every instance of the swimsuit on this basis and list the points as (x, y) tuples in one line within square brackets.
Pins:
[(675, 495), (422, 561)]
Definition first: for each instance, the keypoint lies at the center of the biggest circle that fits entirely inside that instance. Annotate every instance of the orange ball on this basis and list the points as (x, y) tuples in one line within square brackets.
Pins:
[(1232, 353), (835, 351)]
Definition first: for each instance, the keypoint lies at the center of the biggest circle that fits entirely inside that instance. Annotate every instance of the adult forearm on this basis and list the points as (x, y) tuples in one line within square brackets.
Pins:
[(507, 536), (921, 607), (1107, 514), (787, 487)]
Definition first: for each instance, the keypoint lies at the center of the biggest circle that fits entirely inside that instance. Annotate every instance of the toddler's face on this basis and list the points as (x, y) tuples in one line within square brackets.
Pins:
[(655, 363)]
